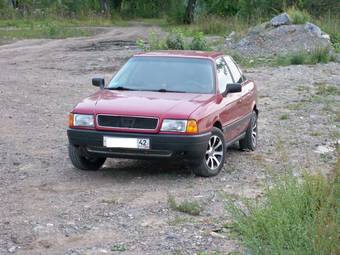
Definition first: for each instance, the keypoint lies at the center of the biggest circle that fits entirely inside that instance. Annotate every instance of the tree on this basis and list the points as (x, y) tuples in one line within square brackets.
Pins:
[(117, 5), (104, 6), (190, 11)]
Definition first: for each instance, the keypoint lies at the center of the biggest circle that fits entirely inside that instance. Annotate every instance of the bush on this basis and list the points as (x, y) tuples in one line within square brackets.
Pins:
[(297, 217), (297, 16), (320, 55), (199, 42), (175, 40), (298, 58)]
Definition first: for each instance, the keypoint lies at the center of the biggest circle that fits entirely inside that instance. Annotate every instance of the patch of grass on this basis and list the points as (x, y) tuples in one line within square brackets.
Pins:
[(315, 133), (295, 106), (189, 207), (320, 55), (303, 88), (178, 220), (298, 16), (330, 24), (284, 116), (296, 217), (215, 25), (119, 247), (327, 90)]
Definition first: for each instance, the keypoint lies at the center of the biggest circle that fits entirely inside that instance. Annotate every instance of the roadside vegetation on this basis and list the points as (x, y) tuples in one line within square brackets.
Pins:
[(296, 216), (186, 206), (194, 18)]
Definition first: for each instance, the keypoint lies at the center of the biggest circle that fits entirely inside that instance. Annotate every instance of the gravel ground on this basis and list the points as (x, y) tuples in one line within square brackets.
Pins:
[(47, 207)]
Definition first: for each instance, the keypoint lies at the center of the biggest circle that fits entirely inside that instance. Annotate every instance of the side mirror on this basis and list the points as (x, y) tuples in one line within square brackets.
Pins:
[(98, 82), (232, 88)]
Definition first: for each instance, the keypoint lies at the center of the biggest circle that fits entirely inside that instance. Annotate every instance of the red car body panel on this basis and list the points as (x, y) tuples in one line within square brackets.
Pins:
[(207, 109)]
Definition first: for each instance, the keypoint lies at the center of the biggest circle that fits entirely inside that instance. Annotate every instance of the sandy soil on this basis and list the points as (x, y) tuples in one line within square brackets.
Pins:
[(48, 207)]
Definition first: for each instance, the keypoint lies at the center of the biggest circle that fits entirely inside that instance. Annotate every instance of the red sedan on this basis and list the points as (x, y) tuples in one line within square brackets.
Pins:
[(185, 105)]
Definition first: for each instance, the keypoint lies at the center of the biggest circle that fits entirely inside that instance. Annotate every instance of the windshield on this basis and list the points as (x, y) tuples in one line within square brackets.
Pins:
[(165, 74)]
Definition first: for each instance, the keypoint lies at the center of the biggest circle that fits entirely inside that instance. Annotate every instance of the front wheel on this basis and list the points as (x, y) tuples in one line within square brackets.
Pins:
[(214, 157), (83, 162)]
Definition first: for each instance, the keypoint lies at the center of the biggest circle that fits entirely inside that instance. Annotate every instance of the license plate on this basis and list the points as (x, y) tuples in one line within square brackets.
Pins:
[(128, 143)]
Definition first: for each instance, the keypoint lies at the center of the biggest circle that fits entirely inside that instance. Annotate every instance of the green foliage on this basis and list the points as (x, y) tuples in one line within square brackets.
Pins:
[(118, 247), (297, 16), (327, 90), (175, 40), (284, 116), (296, 217), (320, 55), (199, 42), (189, 207)]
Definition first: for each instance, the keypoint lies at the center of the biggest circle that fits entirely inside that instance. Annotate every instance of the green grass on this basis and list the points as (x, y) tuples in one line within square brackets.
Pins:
[(214, 25), (296, 217), (189, 207), (327, 90), (54, 27), (298, 16), (330, 24), (284, 116)]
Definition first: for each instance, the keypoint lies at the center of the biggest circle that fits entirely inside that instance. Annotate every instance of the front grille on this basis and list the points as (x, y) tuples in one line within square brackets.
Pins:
[(127, 122)]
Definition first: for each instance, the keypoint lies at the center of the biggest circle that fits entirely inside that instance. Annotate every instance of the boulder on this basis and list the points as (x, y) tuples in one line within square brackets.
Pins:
[(279, 20), (316, 31)]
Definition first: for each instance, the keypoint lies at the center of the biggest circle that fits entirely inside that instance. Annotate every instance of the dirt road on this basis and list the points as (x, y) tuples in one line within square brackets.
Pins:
[(47, 207)]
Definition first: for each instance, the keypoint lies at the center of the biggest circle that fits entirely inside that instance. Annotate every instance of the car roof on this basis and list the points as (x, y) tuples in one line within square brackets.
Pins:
[(182, 53)]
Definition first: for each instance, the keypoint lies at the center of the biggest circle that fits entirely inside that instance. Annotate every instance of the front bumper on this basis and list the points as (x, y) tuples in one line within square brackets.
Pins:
[(189, 147)]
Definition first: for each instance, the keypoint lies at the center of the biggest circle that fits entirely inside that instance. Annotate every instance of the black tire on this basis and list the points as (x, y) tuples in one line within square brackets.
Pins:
[(218, 150), (82, 162), (249, 142)]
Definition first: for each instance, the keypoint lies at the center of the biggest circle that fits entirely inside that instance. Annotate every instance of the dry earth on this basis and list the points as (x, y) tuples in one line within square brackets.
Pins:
[(47, 207)]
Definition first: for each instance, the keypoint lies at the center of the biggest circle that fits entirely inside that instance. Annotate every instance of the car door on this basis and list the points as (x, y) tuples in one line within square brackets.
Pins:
[(229, 111), (244, 103)]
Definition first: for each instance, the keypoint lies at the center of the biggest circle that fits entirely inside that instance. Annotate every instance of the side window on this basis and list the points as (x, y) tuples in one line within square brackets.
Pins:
[(235, 71), (223, 74)]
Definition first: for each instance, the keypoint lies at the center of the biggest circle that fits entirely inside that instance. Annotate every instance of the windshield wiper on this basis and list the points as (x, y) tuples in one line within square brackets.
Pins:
[(120, 88), (167, 90)]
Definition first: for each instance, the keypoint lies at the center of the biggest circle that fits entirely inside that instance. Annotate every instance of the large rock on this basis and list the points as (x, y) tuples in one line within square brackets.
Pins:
[(267, 40), (315, 30), (282, 19)]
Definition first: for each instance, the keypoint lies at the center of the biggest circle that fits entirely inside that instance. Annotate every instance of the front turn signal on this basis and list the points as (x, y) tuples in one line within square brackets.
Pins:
[(71, 120), (192, 127)]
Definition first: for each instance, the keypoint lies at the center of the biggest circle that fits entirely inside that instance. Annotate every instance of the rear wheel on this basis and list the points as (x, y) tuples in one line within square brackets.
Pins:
[(214, 157), (83, 162), (249, 142)]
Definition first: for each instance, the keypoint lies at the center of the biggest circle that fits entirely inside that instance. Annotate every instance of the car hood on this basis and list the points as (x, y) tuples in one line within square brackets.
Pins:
[(143, 103)]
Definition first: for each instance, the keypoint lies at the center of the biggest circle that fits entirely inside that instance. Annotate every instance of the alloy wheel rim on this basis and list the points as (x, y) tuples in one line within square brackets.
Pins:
[(254, 133), (214, 153)]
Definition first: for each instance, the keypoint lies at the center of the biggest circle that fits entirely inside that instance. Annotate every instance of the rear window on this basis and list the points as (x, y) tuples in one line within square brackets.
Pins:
[(191, 75)]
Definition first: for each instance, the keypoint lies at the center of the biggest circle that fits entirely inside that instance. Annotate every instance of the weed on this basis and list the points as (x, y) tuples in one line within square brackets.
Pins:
[(295, 106), (189, 207), (320, 55), (178, 220), (175, 40), (284, 116), (118, 247), (315, 133), (199, 42), (296, 217), (327, 90), (298, 58), (297, 16)]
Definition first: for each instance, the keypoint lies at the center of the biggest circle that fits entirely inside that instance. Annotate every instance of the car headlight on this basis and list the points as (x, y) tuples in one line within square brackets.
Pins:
[(81, 120), (189, 126)]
